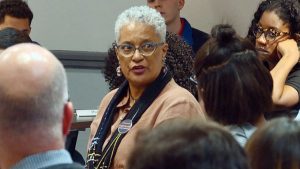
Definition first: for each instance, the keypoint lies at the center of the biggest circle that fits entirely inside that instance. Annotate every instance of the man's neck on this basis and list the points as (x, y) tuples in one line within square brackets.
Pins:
[(174, 26), (14, 154)]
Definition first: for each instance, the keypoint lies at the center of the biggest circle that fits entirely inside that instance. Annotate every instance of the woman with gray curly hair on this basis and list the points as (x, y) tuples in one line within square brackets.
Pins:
[(147, 96), (179, 61)]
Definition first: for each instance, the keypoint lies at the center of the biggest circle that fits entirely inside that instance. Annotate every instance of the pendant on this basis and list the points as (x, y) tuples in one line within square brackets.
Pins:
[(125, 126)]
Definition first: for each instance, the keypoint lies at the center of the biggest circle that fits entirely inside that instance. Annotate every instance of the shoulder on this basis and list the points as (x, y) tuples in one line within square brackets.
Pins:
[(107, 98), (199, 33), (175, 101), (241, 132), (293, 78), (66, 166), (175, 92), (110, 94), (199, 36)]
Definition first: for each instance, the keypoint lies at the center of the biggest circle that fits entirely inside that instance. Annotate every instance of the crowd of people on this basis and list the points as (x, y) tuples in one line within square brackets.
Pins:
[(180, 98)]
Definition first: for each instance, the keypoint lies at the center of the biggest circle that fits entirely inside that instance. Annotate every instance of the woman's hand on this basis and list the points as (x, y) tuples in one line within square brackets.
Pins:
[(284, 95), (289, 49)]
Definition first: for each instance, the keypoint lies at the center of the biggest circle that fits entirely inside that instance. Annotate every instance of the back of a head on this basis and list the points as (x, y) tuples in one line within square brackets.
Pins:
[(15, 8), (33, 91), (185, 144), (11, 36), (141, 14), (235, 86), (275, 146)]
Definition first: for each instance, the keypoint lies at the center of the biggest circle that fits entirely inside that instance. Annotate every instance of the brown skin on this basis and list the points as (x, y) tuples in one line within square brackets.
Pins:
[(21, 24), (283, 54), (271, 20), (150, 66)]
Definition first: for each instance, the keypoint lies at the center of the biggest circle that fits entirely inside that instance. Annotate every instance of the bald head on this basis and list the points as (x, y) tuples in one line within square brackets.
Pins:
[(33, 88)]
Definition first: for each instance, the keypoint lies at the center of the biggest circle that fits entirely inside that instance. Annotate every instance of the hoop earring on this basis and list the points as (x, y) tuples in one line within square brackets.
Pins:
[(118, 70)]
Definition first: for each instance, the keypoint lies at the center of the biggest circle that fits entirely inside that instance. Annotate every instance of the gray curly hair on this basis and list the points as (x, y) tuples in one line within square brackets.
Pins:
[(141, 14)]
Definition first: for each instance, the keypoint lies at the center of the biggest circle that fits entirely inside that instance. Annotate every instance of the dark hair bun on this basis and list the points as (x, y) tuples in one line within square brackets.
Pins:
[(223, 33)]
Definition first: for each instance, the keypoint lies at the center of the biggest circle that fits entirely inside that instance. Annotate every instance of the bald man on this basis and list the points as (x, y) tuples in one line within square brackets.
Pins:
[(35, 115)]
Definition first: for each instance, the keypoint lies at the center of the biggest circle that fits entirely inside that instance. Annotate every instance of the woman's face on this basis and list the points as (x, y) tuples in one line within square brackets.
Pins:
[(274, 31), (142, 67)]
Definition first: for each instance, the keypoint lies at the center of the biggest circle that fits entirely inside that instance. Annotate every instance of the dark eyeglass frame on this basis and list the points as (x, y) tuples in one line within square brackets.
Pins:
[(139, 48), (258, 31)]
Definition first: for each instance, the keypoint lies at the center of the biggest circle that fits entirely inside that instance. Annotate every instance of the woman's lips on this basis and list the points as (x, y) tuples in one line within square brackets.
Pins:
[(138, 70), (262, 51)]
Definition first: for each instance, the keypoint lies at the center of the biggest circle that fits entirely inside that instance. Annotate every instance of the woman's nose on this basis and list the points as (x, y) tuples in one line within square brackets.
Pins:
[(261, 39), (137, 56)]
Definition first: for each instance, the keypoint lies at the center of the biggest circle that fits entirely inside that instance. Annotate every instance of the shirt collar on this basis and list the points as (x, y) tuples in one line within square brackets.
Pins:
[(182, 21), (44, 159)]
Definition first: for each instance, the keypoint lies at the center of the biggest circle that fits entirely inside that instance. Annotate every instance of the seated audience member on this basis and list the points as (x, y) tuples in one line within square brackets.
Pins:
[(275, 146), (186, 144), (15, 14), (233, 84), (11, 36), (275, 32), (147, 97), (178, 61), (35, 115), (170, 10)]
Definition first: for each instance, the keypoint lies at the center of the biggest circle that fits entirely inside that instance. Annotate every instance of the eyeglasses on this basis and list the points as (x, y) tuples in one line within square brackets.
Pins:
[(270, 33), (145, 49)]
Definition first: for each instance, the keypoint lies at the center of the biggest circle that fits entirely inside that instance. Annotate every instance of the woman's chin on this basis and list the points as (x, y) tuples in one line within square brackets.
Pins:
[(269, 59)]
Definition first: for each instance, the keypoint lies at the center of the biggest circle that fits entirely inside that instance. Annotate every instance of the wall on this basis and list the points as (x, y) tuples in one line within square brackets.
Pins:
[(204, 14), (88, 25)]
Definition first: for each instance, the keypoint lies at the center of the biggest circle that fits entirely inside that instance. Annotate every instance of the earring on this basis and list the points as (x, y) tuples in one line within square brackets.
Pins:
[(164, 64), (164, 61), (118, 70)]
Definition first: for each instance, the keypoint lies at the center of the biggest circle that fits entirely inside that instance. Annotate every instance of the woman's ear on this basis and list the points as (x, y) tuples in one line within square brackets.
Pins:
[(116, 52), (165, 49)]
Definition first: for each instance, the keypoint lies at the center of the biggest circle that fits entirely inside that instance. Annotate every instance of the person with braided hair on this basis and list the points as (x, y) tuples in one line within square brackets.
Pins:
[(179, 61), (275, 32)]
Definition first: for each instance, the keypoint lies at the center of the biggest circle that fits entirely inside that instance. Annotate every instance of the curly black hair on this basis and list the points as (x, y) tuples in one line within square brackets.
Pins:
[(287, 10), (179, 61), (15, 8)]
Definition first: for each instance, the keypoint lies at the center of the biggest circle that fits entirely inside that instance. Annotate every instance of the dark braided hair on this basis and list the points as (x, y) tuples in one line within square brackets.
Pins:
[(287, 10), (179, 61), (15, 8)]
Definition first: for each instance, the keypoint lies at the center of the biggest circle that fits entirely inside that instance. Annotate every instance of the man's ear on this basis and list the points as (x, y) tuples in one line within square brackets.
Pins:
[(181, 4), (68, 117), (29, 31)]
